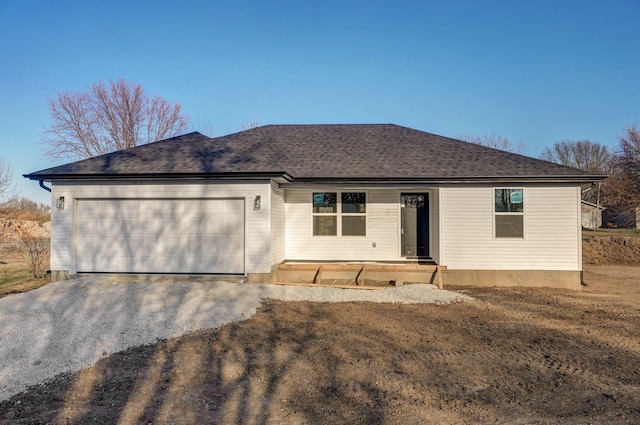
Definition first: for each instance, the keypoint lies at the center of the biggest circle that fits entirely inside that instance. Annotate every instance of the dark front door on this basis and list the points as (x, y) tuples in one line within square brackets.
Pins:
[(414, 224)]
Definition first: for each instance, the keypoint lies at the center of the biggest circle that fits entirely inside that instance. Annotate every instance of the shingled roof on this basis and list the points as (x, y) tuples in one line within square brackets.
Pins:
[(340, 152)]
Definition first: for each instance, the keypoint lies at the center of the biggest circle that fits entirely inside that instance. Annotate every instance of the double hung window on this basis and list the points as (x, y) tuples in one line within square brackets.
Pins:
[(509, 213), (339, 213)]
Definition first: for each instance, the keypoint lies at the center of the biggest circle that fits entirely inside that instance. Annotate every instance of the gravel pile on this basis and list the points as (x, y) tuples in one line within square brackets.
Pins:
[(69, 325)]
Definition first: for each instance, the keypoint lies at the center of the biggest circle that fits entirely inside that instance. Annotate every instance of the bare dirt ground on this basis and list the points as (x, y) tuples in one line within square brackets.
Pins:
[(10, 229), (614, 246), (514, 356)]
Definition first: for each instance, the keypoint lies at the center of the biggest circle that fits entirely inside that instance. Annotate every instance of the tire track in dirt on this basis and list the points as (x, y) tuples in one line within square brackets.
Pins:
[(603, 333), (599, 319)]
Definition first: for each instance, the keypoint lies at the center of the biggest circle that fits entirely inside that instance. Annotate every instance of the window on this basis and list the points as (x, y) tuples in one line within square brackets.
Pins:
[(341, 213), (509, 213), (325, 214), (354, 219)]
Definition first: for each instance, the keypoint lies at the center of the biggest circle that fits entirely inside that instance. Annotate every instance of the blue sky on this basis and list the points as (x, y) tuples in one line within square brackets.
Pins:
[(535, 72)]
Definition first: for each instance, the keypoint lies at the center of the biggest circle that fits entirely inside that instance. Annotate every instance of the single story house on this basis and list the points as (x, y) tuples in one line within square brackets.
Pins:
[(246, 202)]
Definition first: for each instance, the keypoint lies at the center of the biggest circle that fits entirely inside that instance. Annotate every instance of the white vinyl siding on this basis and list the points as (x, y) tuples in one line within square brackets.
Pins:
[(62, 253), (277, 225), (382, 229), (256, 222), (434, 202), (551, 242), (461, 224)]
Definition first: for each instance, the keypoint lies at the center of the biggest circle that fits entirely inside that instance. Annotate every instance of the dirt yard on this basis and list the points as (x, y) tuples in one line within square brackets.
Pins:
[(526, 356)]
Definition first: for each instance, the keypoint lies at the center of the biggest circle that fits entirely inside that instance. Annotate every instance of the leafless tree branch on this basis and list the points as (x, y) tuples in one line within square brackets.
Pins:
[(624, 181), (582, 154), (205, 127), (7, 184), (252, 123), (108, 117), (36, 253), (495, 141)]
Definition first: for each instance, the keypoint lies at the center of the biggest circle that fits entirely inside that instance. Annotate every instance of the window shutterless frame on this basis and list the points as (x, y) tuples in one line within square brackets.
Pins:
[(508, 213), (340, 213), (325, 213)]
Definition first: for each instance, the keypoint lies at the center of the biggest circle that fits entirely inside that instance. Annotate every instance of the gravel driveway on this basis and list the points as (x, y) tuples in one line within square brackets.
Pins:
[(69, 325)]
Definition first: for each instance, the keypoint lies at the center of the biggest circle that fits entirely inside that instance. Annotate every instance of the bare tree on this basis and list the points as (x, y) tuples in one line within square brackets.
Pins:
[(108, 117), (587, 156), (6, 180), (582, 154), (623, 183), (204, 127), (252, 123), (629, 156), (495, 141)]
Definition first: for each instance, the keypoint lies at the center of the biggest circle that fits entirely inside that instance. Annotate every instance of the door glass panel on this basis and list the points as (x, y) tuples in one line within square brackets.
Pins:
[(413, 201), (414, 225)]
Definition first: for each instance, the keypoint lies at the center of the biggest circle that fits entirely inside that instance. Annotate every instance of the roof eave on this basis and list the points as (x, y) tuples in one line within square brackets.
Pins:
[(284, 177), (456, 180), (280, 176)]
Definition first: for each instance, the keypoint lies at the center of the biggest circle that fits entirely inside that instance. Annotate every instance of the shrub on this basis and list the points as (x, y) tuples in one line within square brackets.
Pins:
[(36, 253)]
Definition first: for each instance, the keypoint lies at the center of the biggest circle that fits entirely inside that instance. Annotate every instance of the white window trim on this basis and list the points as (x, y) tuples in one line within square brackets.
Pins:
[(495, 213), (339, 214)]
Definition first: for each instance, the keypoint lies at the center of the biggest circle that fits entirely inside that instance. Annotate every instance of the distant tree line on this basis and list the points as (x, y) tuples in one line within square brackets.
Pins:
[(620, 192), (21, 203)]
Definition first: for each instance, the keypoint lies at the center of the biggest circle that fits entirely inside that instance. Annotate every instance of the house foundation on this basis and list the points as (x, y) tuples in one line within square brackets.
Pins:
[(57, 275), (564, 279)]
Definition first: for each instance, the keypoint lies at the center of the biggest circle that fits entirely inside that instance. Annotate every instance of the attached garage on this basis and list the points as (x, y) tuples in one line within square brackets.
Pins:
[(246, 202), (160, 235)]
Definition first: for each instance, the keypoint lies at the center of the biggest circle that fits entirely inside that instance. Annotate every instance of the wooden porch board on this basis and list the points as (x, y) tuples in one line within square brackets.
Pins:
[(315, 266), (324, 285), (388, 271), (358, 266)]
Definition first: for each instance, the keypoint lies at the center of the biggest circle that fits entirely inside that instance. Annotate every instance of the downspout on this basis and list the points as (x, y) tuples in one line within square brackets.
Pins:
[(588, 189), (41, 182)]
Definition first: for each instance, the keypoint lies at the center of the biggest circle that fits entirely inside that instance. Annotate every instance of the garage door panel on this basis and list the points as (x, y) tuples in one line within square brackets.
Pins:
[(234, 244), (160, 236), (231, 223)]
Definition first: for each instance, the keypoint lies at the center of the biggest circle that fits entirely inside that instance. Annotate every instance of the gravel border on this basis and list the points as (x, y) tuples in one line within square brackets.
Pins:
[(69, 325)]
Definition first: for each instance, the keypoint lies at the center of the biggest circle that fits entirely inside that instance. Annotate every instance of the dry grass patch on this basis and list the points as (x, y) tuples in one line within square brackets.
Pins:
[(16, 277)]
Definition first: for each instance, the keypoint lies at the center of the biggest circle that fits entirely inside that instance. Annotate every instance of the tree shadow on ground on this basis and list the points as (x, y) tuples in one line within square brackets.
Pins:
[(301, 362)]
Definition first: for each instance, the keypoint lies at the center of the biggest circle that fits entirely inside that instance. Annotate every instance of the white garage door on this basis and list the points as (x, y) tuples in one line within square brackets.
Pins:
[(160, 235)]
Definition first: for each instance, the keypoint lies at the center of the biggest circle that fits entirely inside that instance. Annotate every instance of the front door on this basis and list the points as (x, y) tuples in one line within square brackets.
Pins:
[(414, 224)]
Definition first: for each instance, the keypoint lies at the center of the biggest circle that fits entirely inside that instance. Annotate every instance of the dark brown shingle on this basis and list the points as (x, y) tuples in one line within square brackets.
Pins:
[(373, 152)]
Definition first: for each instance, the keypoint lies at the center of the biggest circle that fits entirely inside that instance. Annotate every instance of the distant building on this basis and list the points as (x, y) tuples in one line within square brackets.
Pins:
[(591, 215)]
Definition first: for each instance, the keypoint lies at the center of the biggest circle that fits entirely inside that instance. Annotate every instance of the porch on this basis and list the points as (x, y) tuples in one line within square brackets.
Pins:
[(369, 275)]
